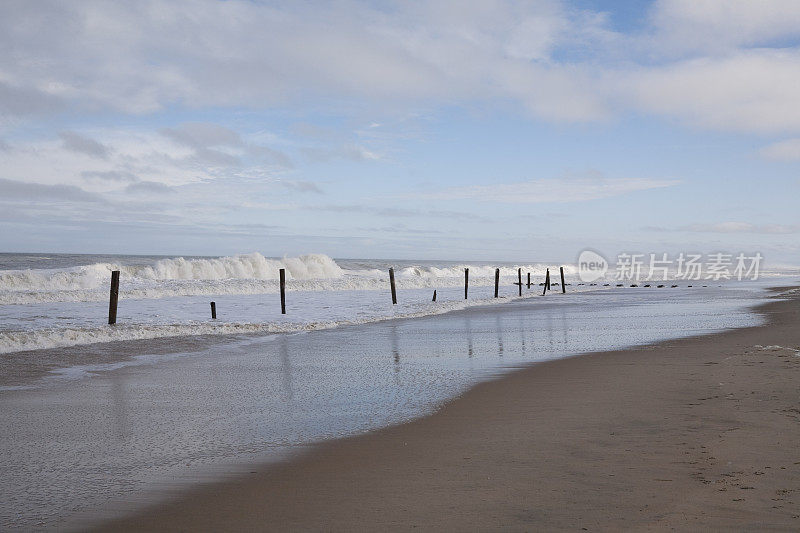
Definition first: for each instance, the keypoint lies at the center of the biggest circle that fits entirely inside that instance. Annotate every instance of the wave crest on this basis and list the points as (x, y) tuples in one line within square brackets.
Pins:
[(247, 266), (239, 274)]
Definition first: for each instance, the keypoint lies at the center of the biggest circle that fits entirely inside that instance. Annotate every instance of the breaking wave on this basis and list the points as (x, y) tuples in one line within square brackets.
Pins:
[(249, 266), (239, 274)]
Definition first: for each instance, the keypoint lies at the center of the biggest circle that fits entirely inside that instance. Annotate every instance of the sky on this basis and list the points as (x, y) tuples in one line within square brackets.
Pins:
[(485, 130)]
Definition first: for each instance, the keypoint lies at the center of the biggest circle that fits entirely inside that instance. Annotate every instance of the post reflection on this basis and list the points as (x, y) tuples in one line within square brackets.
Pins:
[(499, 329), (395, 348), (468, 329), (286, 367)]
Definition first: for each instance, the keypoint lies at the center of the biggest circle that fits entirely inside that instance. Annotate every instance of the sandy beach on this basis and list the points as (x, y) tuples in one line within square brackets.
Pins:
[(691, 434)]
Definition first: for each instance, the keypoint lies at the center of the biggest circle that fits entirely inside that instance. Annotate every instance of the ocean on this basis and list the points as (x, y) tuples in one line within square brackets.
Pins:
[(55, 300), (61, 300)]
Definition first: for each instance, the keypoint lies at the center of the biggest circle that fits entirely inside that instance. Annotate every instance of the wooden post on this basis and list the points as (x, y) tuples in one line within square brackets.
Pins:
[(546, 282), (466, 282), (563, 287), (496, 282), (283, 291), (434, 295), (391, 282), (529, 280), (519, 276), (113, 297), (214, 310)]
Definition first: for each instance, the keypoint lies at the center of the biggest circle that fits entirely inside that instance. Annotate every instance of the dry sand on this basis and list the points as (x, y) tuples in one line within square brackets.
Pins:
[(692, 434)]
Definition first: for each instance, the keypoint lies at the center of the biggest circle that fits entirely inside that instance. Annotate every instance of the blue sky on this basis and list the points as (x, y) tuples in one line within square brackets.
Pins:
[(489, 130)]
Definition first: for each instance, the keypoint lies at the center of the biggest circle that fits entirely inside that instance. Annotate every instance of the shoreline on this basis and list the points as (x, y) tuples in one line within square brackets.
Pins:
[(18, 371), (660, 436)]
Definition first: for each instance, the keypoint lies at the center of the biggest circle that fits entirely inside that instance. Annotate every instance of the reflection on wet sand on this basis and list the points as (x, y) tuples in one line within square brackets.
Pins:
[(286, 366), (468, 329), (395, 349), (499, 329)]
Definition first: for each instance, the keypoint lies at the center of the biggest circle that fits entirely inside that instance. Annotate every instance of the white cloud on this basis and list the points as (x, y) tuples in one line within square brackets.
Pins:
[(78, 143), (353, 152), (561, 190), (718, 25), (18, 191), (741, 227), (748, 91), (138, 159), (203, 135), (788, 150), (705, 62), (148, 187), (139, 58)]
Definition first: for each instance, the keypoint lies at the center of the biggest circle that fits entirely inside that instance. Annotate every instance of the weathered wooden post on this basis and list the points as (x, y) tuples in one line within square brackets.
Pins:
[(519, 276), (496, 282), (529, 280), (466, 282), (434, 296), (113, 297), (546, 282), (283, 290), (563, 287), (391, 282), (214, 310)]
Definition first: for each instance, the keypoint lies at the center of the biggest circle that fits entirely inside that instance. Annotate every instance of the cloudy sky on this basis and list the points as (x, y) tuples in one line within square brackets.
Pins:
[(447, 129)]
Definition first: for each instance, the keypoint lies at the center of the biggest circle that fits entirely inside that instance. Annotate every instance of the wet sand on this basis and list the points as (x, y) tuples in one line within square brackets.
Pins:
[(26, 368), (700, 433)]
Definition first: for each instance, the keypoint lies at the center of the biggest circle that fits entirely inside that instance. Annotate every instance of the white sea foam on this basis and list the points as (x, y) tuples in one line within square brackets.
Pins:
[(61, 337), (249, 266), (240, 274)]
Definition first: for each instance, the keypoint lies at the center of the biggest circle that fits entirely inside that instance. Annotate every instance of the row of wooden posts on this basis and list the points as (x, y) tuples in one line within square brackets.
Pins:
[(114, 296), (496, 283)]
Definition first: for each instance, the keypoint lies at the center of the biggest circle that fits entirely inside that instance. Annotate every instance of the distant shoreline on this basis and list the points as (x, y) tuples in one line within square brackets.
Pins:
[(692, 433)]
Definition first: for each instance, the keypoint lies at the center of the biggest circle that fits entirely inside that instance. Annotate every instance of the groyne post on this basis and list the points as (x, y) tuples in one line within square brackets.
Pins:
[(563, 288), (434, 296), (214, 310), (496, 282), (466, 282), (546, 282), (113, 298), (391, 282), (283, 290), (529, 280), (519, 276)]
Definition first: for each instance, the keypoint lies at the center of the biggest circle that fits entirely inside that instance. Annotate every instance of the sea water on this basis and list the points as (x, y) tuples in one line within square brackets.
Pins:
[(49, 301), (61, 300)]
